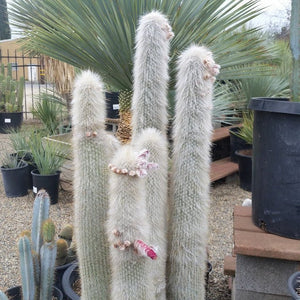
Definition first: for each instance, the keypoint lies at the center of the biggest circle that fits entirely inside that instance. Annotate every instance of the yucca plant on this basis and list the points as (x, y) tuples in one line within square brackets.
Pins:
[(50, 109), (47, 157), (103, 27)]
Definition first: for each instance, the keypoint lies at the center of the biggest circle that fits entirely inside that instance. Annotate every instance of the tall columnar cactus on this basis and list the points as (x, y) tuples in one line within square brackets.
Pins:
[(156, 201), (149, 108), (295, 47), (150, 73), (37, 264), (27, 268), (41, 208), (137, 209), (128, 226), (190, 182), (92, 152)]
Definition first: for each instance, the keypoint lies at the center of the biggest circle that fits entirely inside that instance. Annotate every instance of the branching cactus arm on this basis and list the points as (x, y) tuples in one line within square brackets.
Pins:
[(92, 152), (128, 228), (190, 182), (150, 72), (156, 201)]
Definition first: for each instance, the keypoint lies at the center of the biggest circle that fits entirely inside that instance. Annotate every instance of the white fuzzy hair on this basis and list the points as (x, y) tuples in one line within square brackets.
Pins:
[(190, 176), (157, 203), (131, 278), (88, 104), (150, 73)]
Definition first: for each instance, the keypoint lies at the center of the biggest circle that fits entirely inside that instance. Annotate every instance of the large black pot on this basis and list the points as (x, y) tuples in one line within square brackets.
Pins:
[(294, 285), (276, 166), (15, 293), (112, 105), (48, 182), (70, 276), (245, 168), (15, 180), (236, 143), (9, 121)]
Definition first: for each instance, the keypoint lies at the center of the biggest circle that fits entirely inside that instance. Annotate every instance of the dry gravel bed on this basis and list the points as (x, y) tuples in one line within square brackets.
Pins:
[(16, 213)]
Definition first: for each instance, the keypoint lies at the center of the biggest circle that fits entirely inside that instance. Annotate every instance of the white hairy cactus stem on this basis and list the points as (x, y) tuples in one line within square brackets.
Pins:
[(92, 152), (127, 222), (150, 73), (157, 203), (191, 181)]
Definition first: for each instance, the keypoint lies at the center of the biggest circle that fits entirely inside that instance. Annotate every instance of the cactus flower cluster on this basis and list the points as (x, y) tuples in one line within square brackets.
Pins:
[(141, 230)]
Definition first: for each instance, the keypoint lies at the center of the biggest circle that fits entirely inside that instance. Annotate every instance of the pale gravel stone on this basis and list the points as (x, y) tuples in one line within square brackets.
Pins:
[(16, 214)]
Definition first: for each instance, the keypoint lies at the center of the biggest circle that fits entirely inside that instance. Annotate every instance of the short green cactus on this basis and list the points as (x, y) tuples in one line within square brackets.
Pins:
[(67, 232), (62, 252)]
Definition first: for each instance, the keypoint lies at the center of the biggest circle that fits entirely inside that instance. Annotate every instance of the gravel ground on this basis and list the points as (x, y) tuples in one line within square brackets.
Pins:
[(15, 216)]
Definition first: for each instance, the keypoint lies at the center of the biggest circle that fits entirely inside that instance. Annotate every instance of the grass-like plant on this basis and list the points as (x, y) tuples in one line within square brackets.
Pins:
[(246, 131), (50, 109), (9, 161), (19, 140), (47, 157)]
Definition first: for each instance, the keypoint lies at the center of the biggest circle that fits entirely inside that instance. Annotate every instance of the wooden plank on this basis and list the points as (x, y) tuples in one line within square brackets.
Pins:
[(222, 168), (222, 132), (230, 265), (263, 244)]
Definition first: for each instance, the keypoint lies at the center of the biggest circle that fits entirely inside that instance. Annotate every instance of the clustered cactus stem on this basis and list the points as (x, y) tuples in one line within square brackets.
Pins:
[(126, 248), (190, 174)]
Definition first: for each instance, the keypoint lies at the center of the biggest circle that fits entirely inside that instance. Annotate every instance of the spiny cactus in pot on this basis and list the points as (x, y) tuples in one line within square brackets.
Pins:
[(121, 223)]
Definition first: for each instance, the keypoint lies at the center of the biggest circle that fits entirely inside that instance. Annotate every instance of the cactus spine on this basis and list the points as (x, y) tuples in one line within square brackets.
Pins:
[(191, 163), (92, 151)]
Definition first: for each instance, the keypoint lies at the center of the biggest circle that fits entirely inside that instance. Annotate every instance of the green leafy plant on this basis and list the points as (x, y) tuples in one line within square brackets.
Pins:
[(47, 157), (50, 109), (48, 25), (19, 140), (11, 91), (9, 161), (246, 131)]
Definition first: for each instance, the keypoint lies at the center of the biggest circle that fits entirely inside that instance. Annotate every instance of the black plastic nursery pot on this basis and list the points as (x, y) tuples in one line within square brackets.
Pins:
[(48, 182), (58, 275), (31, 166), (276, 166), (15, 180), (15, 293), (112, 105), (294, 285), (9, 121), (69, 278), (244, 157), (236, 143)]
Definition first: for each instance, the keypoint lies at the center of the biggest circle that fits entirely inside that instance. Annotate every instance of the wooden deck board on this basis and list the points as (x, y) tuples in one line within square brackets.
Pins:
[(222, 168)]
